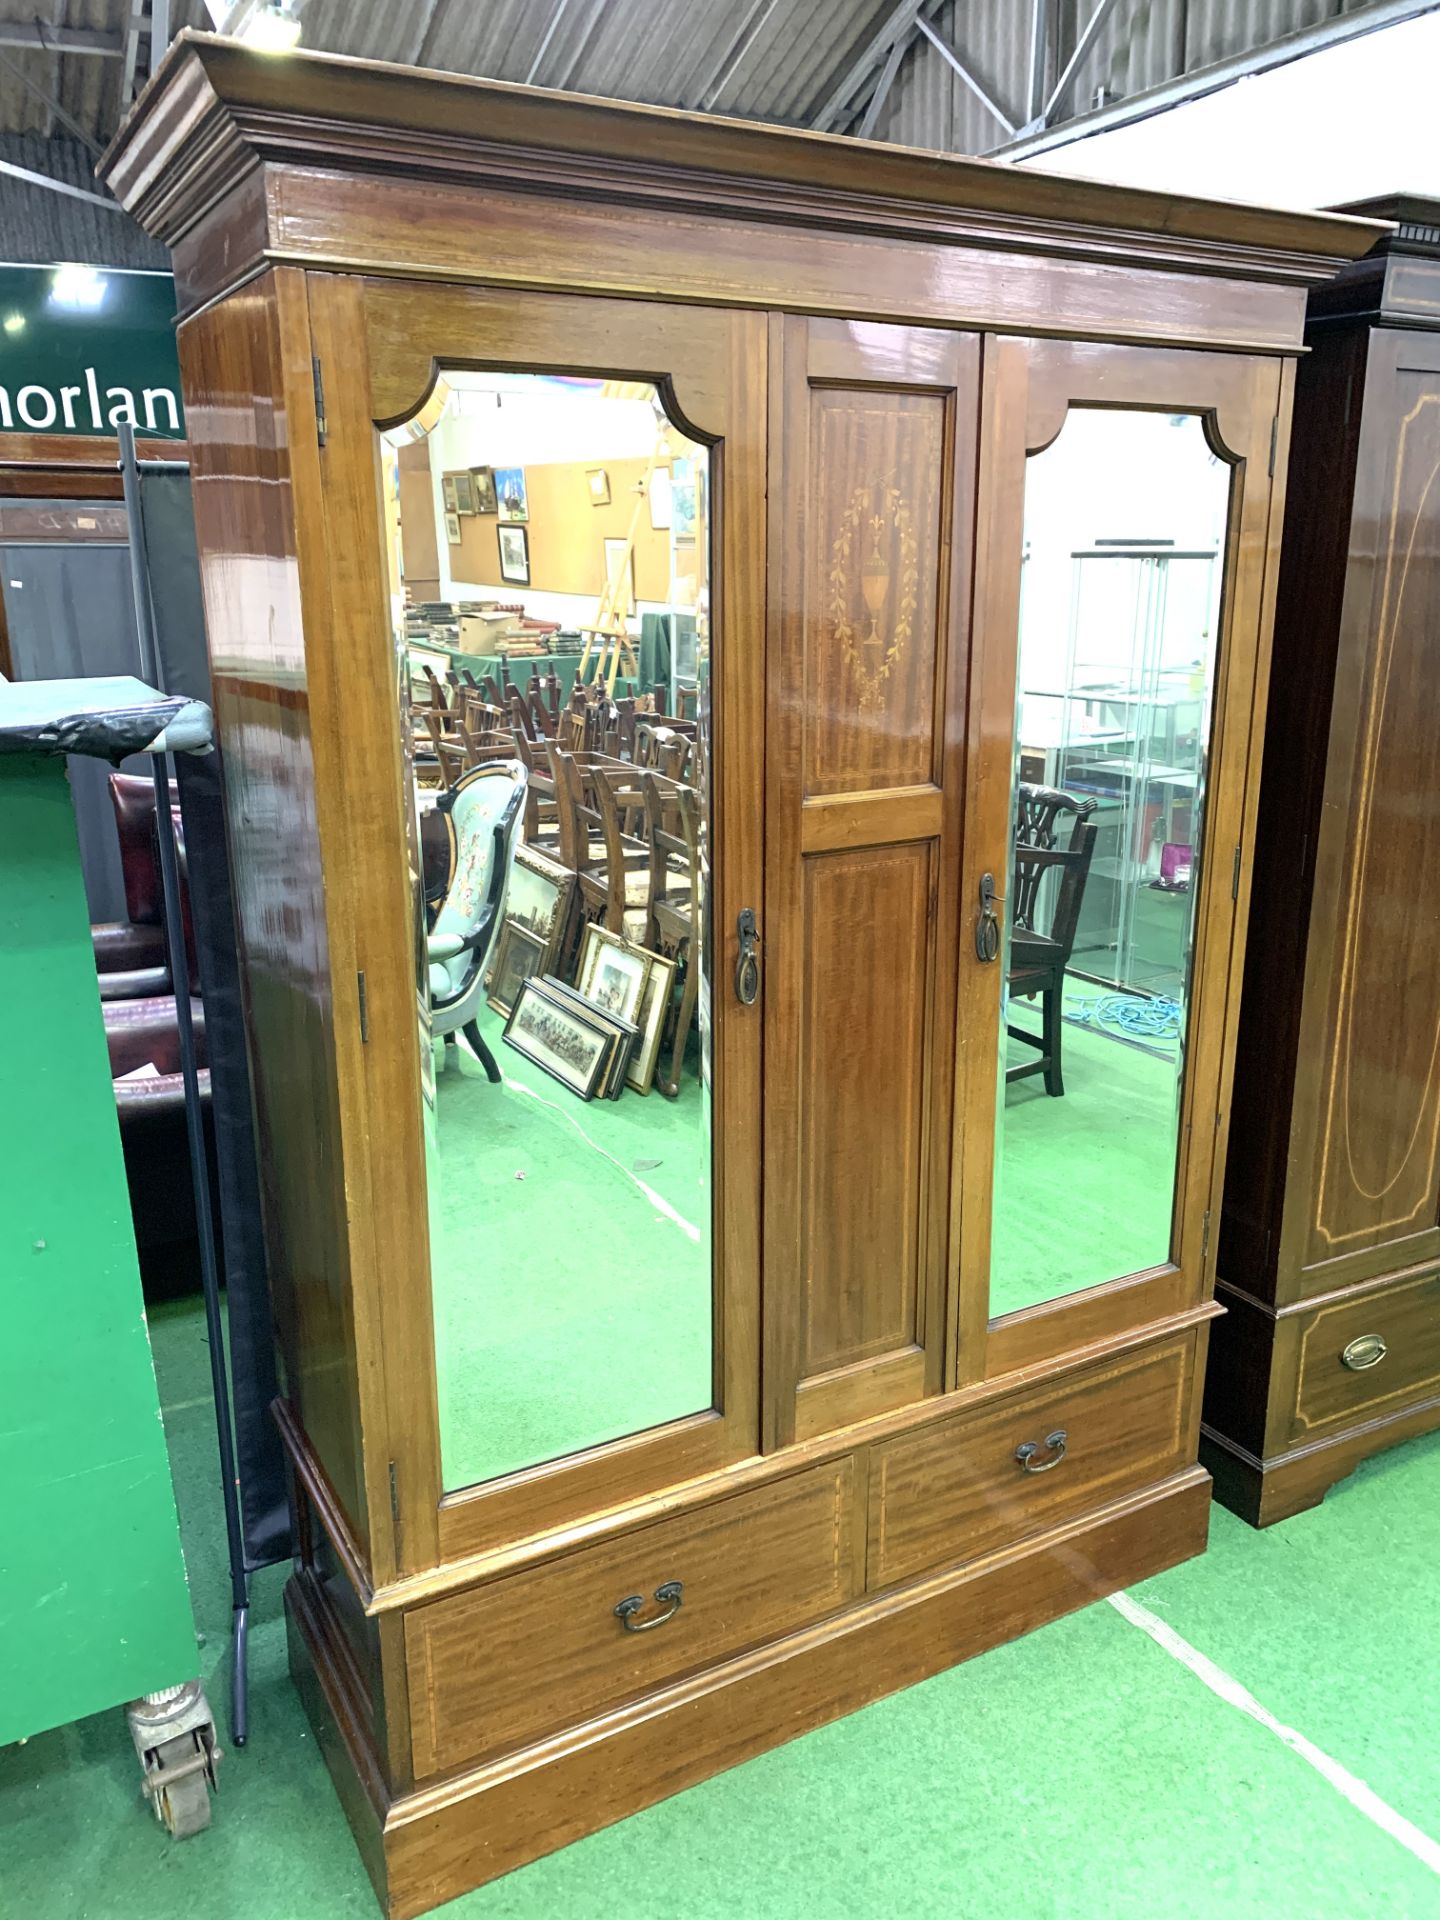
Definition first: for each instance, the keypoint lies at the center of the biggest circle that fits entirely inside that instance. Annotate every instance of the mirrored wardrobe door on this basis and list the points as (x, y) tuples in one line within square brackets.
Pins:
[(562, 697), (1103, 909)]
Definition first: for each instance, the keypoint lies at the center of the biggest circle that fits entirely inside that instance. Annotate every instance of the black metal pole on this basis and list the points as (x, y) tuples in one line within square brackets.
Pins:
[(163, 767)]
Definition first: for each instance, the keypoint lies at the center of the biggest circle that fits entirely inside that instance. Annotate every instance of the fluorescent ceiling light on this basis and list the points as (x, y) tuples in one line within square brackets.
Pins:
[(271, 28), (14, 323), (80, 288)]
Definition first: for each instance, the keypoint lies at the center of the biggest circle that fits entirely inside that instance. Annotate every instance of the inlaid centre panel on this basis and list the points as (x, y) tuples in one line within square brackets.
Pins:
[(874, 552), (865, 771)]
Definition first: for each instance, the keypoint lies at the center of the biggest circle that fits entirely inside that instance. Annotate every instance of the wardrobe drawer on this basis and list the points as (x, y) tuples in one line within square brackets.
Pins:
[(1358, 1354), (957, 1490), (543, 1649)]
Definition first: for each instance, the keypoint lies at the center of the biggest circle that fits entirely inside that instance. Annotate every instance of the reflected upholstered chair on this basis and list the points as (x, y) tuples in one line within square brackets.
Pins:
[(1038, 959), (481, 813)]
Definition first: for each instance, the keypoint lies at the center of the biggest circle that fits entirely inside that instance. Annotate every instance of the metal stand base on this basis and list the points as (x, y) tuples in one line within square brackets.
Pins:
[(174, 1736)]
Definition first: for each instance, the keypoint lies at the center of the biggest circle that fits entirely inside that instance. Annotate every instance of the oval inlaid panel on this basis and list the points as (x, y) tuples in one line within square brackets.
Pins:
[(1382, 1112)]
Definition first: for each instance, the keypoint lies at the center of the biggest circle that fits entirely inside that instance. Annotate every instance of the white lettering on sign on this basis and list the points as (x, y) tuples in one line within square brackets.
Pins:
[(26, 403), (82, 410)]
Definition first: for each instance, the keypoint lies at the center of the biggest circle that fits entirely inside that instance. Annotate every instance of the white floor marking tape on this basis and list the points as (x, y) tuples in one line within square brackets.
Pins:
[(1361, 1797), (657, 1200)]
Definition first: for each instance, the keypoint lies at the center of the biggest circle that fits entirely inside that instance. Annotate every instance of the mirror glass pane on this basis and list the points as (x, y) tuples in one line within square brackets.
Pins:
[(549, 550), (1125, 526)]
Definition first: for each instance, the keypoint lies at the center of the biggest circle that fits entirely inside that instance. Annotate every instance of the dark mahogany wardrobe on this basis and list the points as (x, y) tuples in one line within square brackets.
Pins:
[(941, 1323), (1329, 1263)]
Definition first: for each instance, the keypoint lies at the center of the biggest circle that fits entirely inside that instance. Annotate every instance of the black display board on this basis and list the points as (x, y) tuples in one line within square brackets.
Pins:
[(179, 622)]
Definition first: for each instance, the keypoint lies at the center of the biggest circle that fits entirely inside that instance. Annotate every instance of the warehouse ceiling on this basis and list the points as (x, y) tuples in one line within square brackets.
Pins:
[(965, 76), (70, 67)]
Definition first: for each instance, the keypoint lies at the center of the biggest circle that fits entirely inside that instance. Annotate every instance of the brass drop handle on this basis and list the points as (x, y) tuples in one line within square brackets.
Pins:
[(747, 964), (1054, 1444), (667, 1595), (987, 927), (1368, 1351)]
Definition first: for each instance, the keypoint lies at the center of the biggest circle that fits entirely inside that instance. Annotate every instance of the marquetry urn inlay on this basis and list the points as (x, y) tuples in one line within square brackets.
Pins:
[(874, 586)]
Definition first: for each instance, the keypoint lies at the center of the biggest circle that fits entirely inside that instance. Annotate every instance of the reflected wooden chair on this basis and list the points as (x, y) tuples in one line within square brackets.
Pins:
[(673, 816), (1038, 959), (611, 866)]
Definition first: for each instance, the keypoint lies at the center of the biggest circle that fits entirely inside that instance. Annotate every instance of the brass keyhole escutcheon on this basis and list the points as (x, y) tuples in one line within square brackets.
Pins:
[(987, 925)]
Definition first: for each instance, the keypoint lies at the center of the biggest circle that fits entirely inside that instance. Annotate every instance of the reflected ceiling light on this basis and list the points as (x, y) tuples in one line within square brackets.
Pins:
[(80, 288), (14, 323), (273, 27)]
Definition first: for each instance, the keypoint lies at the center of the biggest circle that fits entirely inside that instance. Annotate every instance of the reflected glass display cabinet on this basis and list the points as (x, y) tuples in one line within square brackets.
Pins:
[(797, 1278), (1329, 1251)]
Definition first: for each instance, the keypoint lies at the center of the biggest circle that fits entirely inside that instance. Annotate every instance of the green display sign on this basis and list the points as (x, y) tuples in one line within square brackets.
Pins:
[(84, 348)]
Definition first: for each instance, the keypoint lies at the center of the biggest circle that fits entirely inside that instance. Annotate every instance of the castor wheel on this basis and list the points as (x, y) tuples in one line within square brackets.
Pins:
[(174, 1736)]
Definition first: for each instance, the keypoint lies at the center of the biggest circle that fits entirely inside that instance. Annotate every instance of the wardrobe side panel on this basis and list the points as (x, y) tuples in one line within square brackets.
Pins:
[(241, 471), (1313, 558), (1368, 1108)]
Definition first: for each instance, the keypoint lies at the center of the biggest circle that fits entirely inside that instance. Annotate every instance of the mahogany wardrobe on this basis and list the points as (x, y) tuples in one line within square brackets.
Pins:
[(630, 1438), (1329, 1253)]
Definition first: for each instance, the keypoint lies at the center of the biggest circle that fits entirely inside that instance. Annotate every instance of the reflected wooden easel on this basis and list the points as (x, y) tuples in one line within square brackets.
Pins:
[(608, 638)]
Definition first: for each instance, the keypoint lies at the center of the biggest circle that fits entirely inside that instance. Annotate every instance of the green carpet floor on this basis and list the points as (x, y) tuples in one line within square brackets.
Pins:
[(565, 1229), (1084, 1184), (571, 1263), (1079, 1774)]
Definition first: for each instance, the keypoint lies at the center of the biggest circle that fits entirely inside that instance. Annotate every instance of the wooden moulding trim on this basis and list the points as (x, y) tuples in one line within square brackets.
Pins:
[(514, 279), (321, 1495), (215, 109), (456, 1575), (331, 1692), (1349, 1290), (930, 1591), (1366, 1436)]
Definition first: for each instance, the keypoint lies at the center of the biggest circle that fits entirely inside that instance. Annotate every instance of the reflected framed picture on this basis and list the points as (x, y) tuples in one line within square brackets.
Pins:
[(452, 529), (599, 481), (624, 1034), (660, 501), (538, 899), (514, 555), (562, 1041), (654, 1007), (447, 493), (683, 498), (510, 492), (486, 499), (464, 493), (613, 973), (519, 956)]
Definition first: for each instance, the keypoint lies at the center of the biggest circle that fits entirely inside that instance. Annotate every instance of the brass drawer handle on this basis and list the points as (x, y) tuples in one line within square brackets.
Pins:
[(1025, 1454), (667, 1595), (1368, 1351)]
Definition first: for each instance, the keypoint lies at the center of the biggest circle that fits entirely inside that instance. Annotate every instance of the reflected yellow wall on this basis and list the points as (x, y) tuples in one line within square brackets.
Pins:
[(567, 534)]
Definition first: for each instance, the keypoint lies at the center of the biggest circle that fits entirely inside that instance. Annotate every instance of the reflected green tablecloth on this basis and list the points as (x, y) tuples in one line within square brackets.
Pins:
[(564, 666), (653, 651)]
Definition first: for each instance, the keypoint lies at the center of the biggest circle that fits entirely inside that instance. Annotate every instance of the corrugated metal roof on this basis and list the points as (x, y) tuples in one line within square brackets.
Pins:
[(39, 227), (1141, 44)]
